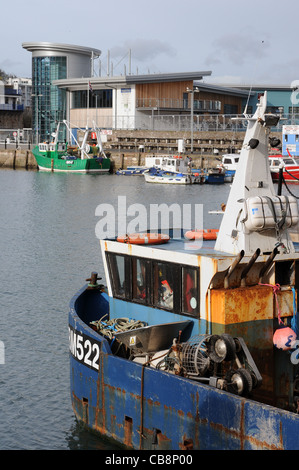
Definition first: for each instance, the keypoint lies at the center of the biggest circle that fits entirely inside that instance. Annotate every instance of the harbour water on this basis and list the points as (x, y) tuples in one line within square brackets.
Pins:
[(48, 248)]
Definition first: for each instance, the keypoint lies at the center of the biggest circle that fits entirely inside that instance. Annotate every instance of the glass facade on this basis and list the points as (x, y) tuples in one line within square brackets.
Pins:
[(94, 99), (48, 101)]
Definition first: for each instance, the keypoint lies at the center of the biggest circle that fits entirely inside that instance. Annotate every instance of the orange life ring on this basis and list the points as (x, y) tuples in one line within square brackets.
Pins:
[(144, 238), (208, 234)]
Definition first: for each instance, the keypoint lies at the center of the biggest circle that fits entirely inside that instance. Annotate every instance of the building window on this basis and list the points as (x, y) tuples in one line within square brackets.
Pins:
[(230, 109), (274, 109), (95, 99), (248, 109), (293, 110)]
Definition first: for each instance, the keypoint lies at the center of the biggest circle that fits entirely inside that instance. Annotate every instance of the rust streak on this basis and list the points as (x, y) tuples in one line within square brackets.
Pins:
[(244, 438)]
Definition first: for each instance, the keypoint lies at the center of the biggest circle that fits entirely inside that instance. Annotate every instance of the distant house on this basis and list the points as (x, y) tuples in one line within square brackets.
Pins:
[(11, 109), (23, 86)]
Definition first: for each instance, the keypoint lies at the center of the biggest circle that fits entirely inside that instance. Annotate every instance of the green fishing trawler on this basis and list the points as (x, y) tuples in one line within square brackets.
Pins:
[(89, 157)]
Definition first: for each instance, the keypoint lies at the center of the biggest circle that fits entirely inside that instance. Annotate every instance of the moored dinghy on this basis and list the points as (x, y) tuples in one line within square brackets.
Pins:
[(221, 377)]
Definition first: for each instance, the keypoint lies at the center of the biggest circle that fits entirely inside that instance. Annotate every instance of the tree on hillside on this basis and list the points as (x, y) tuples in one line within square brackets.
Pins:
[(4, 76)]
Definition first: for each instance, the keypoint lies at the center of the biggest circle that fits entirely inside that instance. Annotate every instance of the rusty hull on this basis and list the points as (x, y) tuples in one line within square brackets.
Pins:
[(252, 313), (174, 413)]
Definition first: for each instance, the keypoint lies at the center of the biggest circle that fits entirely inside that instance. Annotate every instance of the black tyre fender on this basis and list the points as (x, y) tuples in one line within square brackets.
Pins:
[(239, 381), (229, 351)]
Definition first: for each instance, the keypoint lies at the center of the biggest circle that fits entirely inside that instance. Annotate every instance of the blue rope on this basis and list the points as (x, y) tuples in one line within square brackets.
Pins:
[(294, 322)]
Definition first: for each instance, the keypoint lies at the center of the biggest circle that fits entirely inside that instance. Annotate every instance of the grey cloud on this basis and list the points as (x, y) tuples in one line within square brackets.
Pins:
[(237, 48), (143, 49)]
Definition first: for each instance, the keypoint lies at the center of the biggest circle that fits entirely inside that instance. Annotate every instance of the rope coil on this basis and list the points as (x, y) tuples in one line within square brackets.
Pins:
[(108, 328)]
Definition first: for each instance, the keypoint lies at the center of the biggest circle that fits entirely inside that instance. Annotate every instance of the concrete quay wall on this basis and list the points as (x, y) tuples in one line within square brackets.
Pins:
[(125, 148), (24, 159), (17, 159)]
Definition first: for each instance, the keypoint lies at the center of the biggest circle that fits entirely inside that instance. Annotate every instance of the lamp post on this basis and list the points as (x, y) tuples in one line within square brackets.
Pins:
[(192, 112), (292, 99)]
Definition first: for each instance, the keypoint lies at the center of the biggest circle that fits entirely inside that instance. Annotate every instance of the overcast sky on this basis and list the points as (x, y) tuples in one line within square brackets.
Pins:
[(239, 42)]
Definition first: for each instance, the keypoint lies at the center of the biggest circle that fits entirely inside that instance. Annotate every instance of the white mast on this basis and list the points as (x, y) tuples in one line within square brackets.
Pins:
[(254, 217)]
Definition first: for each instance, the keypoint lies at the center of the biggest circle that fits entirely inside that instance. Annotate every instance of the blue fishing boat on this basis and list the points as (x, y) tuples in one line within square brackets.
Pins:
[(215, 176), (192, 344), (154, 175), (165, 169)]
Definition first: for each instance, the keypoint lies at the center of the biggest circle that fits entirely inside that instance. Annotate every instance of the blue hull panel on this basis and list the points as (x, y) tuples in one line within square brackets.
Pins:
[(215, 179)]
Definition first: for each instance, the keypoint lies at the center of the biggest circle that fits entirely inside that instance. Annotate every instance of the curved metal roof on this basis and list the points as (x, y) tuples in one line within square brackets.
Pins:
[(57, 47), (167, 77), (76, 83), (223, 89)]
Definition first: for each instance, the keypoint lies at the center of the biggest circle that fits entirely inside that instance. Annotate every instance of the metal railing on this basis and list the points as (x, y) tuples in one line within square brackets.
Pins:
[(156, 122), (11, 107), (183, 122), (16, 138), (165, 103)]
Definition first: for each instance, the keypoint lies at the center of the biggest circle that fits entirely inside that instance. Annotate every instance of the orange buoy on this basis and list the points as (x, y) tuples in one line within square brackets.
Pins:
[(208, 234), (284, 338), (144, 238)]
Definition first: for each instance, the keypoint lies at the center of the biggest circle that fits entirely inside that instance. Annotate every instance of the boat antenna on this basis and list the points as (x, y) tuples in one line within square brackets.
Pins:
[(248, 97)]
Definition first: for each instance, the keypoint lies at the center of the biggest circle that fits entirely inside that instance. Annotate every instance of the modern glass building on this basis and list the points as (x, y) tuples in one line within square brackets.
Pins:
[(51, 61)]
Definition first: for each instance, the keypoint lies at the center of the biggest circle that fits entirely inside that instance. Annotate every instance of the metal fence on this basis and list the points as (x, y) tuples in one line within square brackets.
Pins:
[(183, 122), (154, 122), (202, 122)]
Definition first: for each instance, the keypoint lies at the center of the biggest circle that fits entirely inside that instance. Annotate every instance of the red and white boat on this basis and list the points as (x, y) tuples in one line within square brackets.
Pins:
[(290, 166)]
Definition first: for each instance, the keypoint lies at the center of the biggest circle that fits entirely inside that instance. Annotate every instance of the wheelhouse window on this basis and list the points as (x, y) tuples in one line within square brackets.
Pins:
[(163, 285), (190, 291), (140, 280), (160, 284), (117, 268)]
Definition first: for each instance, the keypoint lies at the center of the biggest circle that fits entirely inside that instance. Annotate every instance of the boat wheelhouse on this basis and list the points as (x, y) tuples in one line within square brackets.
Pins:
[(229, 162)]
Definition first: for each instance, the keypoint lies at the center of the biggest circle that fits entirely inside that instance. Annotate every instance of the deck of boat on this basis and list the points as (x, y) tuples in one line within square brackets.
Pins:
[(180, 244)]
